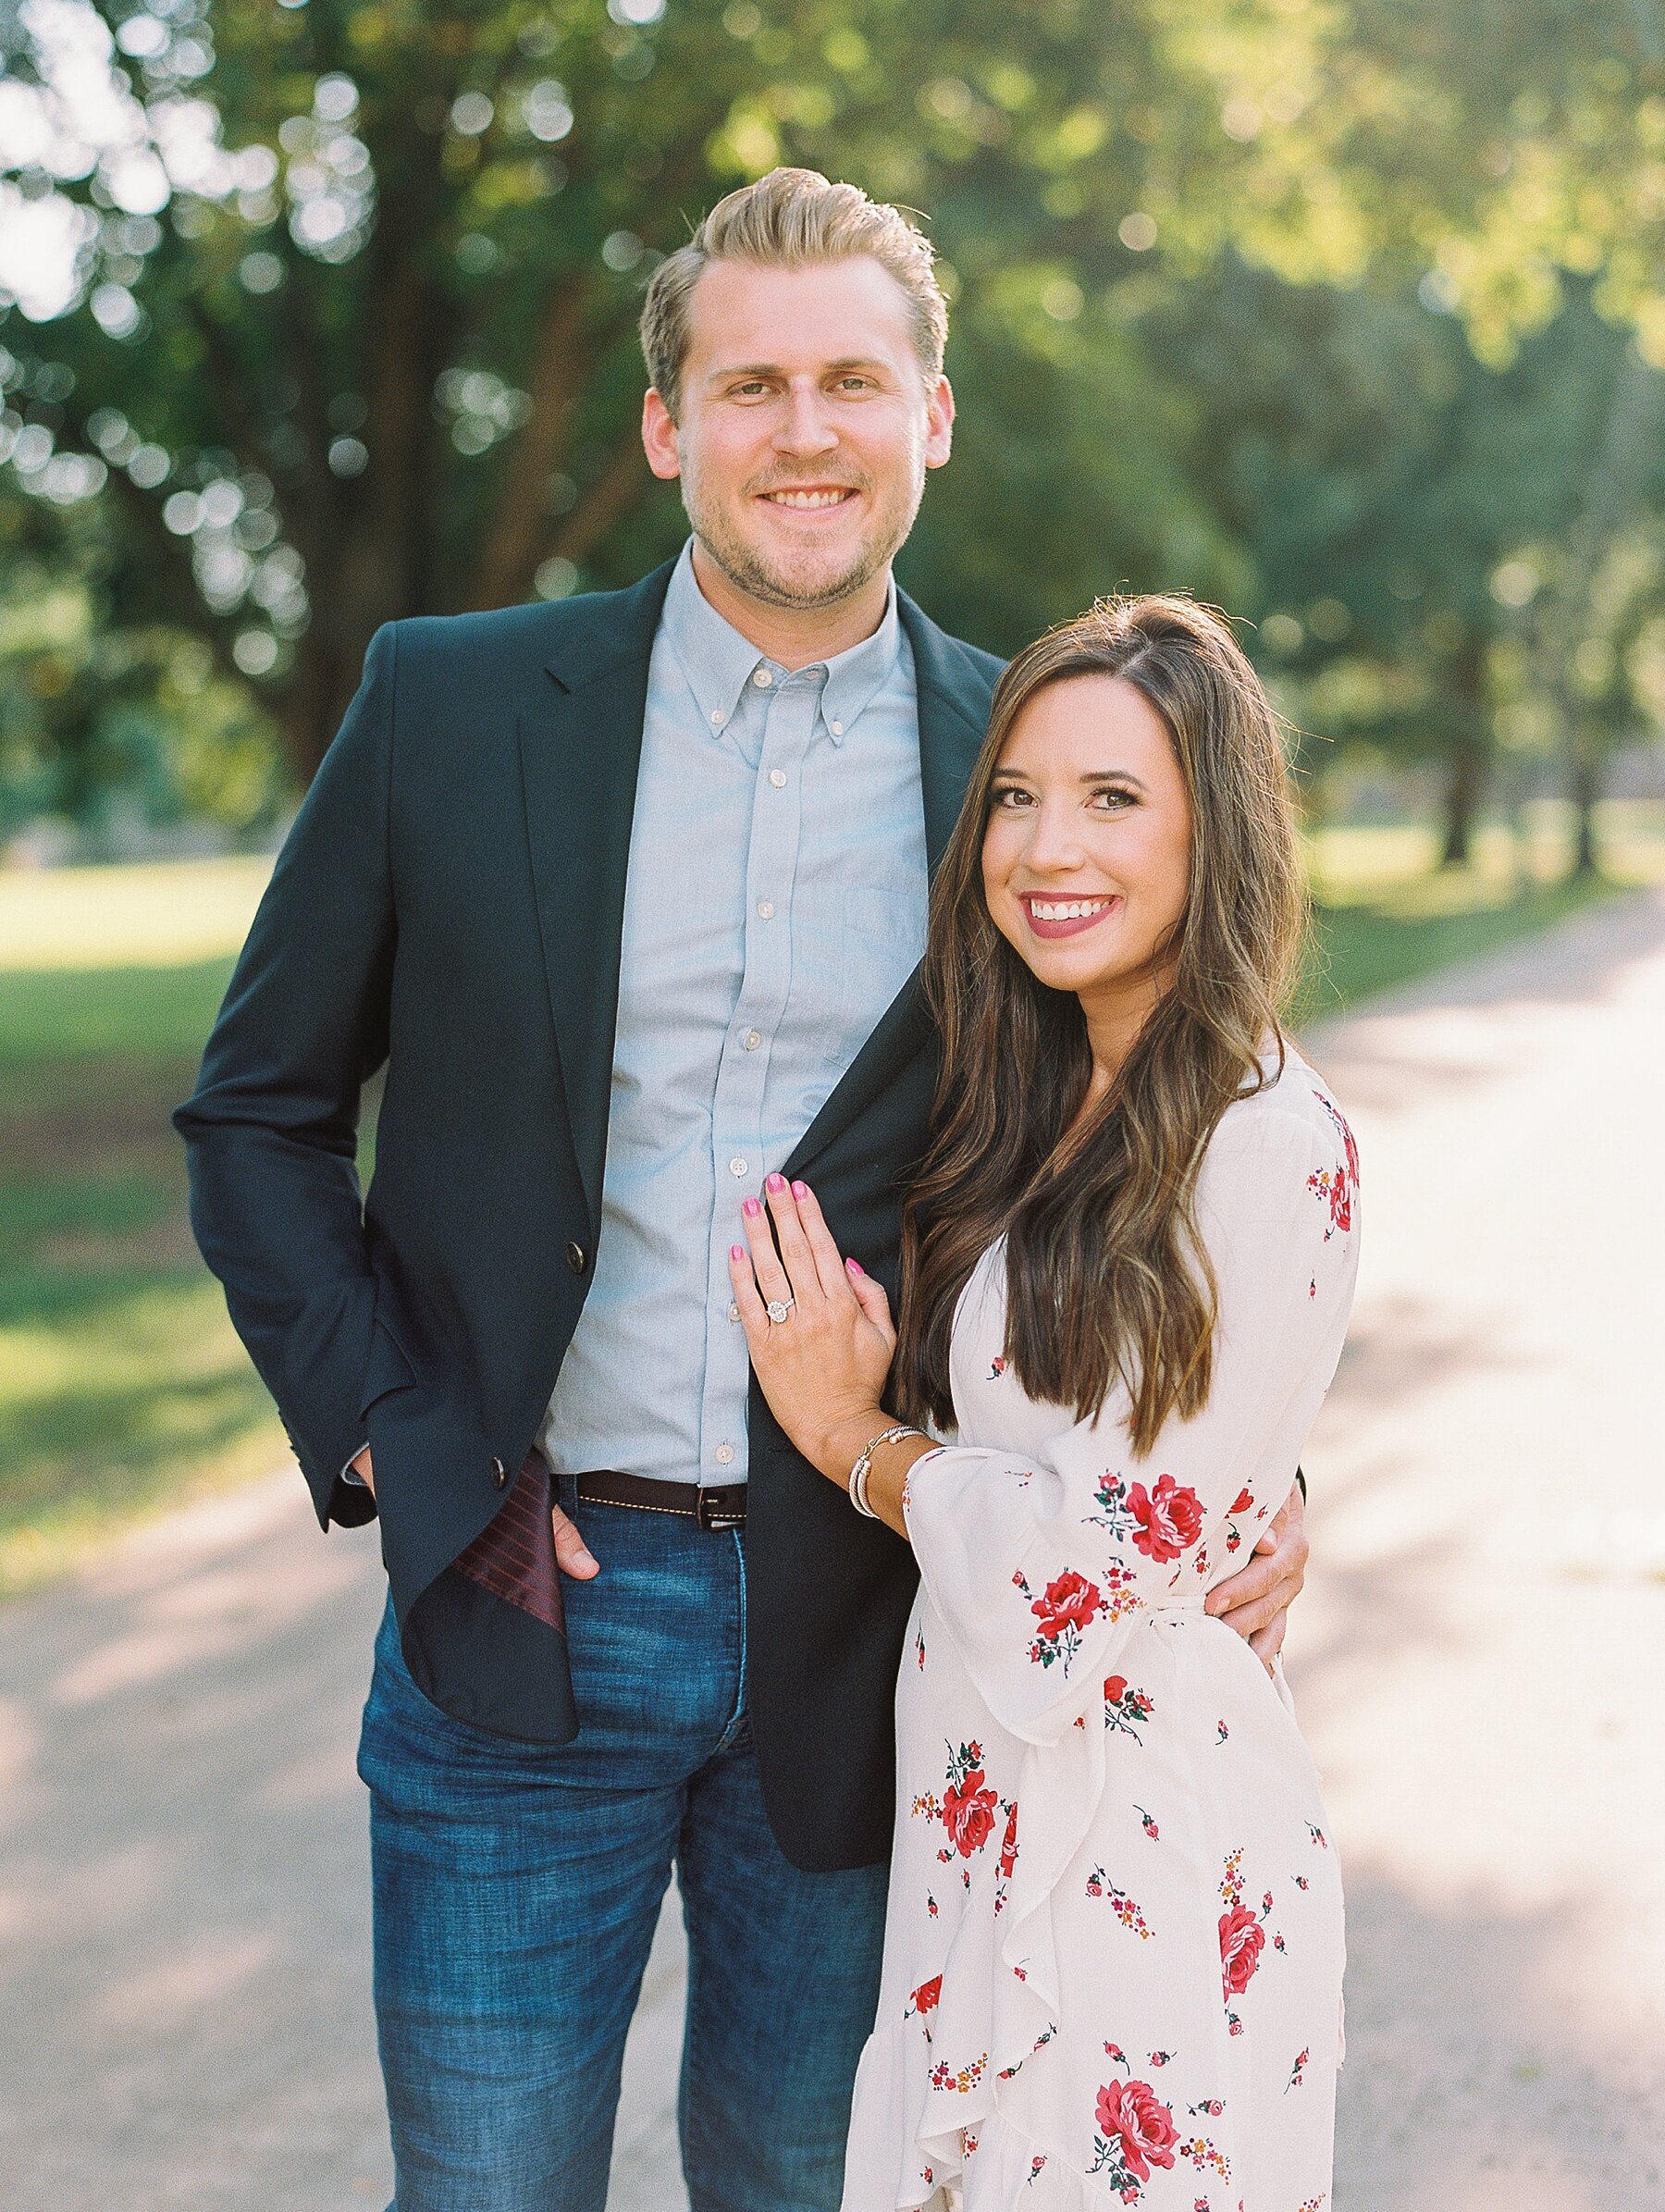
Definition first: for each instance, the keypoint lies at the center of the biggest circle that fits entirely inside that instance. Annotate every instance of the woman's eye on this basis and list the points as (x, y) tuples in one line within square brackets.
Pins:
[(1115, 801), (1010, 796)]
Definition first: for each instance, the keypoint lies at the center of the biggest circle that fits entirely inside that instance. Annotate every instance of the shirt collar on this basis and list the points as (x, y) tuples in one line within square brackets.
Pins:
[(719, 663)]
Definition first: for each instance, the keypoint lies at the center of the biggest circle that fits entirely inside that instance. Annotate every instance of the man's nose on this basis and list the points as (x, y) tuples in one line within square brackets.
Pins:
[(805, 425)]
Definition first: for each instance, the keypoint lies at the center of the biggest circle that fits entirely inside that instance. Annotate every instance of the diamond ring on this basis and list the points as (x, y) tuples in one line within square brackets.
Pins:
[(778, 1308)]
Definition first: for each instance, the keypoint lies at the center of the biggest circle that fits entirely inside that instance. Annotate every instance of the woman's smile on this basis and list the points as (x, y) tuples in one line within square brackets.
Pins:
[(1052, 916)]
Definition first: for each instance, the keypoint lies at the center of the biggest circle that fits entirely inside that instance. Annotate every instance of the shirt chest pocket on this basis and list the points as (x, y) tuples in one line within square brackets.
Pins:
[(854, 945)]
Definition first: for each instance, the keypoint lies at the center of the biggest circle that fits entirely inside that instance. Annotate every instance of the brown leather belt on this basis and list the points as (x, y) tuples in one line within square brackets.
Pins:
[(718, 1508)]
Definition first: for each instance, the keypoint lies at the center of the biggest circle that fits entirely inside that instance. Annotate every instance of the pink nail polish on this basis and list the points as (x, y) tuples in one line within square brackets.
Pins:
[(800, 1190), (855, 1267), (750, 1205), (736, 1252), (777, 1182)]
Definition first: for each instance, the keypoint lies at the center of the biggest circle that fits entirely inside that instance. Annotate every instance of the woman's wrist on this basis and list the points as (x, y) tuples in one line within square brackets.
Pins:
[(846, 1442), (886, 1484), (849, 1440)]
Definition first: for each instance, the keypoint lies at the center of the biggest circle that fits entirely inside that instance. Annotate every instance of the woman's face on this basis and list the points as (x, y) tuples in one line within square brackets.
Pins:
[(1086, 856)]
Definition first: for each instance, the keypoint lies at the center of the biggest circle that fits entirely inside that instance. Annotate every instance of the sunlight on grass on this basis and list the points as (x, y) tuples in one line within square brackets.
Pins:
[(123, 1387), (1386, 914), (147, 914), (141, 1397)]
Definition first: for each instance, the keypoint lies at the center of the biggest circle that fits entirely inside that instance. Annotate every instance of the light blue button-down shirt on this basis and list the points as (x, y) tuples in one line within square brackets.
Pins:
[(774, 907)]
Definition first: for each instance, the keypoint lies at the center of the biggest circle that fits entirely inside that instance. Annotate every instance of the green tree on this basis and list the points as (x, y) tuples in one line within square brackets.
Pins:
[(1401, 500), (351, 332)]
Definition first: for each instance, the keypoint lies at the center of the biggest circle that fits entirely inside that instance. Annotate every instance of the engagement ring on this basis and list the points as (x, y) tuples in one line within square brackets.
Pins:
[(777, 1309)]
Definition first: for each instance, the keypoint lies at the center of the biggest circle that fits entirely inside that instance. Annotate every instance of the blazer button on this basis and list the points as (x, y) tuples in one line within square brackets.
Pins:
[(578, 1258), (499, 1476)]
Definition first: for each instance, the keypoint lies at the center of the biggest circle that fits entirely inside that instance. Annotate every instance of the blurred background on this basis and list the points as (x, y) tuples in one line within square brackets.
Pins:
[(1348, 314)]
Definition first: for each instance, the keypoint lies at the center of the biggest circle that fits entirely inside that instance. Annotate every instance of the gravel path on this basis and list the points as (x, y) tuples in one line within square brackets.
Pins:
[(185, 2023)]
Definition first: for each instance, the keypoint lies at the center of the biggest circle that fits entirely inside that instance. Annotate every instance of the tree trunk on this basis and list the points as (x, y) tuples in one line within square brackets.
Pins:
[(1586, 780), (1470, 758), (1465, 786)]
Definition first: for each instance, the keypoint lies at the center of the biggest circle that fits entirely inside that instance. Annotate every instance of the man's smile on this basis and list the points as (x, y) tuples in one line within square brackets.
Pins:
[(819, 498)]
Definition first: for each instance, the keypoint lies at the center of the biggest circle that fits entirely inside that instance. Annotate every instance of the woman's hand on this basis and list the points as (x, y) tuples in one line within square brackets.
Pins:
[(824, 1367)]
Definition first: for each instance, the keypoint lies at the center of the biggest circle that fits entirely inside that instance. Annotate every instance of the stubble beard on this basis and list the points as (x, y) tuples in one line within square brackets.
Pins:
[(750, 571)]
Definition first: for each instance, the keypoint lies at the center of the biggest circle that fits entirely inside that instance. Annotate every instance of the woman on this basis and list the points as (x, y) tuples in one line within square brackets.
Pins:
[(1113, 1957)]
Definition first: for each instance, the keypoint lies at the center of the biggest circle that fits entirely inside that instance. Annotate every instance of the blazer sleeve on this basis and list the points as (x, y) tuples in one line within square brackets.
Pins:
[(271, 1130), (1042, 1568)]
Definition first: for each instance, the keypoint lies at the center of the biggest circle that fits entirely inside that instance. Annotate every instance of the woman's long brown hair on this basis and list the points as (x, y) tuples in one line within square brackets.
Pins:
[(1107, 1279)]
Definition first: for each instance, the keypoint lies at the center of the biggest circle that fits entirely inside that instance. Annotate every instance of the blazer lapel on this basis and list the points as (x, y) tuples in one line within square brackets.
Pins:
[(954, 695), (580, 751)]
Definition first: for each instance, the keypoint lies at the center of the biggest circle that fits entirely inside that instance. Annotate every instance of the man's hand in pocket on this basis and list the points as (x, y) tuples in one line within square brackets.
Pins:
[(572, 1555)]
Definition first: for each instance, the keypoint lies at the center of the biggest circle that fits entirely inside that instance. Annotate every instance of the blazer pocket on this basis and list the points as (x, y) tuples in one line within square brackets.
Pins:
[(386, 1369)]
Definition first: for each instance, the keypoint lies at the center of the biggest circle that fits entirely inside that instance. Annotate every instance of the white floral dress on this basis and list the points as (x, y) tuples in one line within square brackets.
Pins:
[(1114, 1952)]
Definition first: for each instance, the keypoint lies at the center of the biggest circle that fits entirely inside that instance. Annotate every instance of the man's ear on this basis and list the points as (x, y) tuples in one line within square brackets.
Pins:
[(939, 424), (658, 437)]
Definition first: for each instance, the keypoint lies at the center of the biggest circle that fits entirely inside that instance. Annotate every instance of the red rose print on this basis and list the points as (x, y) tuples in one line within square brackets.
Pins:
[(969, 1811), (1114, 1688), (1135, 2112), (1242, 1939), (925, 1998), (1338, 1185), (1242, 1501), (1168, 1519), (1070, 1602), (1008, 1845)]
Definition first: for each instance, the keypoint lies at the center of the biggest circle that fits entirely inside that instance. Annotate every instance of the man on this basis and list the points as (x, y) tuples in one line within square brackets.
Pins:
[(627, 893)]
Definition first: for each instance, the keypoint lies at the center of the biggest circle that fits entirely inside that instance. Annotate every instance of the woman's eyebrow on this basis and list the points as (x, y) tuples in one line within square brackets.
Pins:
[(1113, 776)]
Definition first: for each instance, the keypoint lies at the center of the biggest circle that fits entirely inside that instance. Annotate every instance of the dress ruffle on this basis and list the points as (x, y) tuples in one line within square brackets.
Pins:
[(999, 1999), (1003, 2172)]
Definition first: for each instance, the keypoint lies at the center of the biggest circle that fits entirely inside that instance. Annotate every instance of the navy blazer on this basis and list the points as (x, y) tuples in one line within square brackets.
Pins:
[(449, 903)]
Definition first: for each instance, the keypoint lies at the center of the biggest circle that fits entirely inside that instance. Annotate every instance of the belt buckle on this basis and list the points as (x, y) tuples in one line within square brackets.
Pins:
[(712, 1513)]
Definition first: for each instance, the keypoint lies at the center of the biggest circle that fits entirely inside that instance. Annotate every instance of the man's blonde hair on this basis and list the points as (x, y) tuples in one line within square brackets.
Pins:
[(790, 219)]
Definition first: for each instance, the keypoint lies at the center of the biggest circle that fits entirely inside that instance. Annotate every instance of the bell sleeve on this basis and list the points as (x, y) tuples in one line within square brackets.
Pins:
[(1040, 1568)]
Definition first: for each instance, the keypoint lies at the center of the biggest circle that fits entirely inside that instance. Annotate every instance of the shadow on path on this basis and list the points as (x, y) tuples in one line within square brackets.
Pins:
[(184, 1874)]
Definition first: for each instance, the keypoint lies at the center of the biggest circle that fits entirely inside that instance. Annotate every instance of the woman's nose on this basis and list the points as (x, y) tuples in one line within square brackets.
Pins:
[(1055, 844)]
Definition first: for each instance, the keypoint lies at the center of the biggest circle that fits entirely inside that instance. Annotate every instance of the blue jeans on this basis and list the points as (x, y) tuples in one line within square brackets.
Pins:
[(517, 1888)]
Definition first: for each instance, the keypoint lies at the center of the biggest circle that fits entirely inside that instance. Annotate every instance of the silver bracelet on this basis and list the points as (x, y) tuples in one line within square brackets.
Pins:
[(864, 1466)]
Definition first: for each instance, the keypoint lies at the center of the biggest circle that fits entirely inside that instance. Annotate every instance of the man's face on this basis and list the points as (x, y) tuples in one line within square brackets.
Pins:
[(805, 428)]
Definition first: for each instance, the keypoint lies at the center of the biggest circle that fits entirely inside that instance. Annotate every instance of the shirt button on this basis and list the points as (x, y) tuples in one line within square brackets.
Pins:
[(736, 1167), (766, 910), (733, 1313), (777, 776), (838, 729), (762, 679), (718, 716), (752, 1039), (723, 1454)]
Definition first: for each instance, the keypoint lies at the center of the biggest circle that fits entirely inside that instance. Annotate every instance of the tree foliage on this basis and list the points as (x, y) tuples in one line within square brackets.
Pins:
[(349, 333)]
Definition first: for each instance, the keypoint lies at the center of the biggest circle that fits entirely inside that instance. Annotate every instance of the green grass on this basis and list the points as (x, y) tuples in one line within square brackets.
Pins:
[(122, 1386), (1386, 914)]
